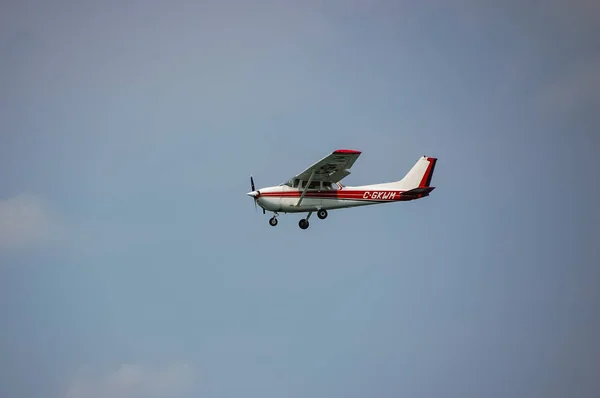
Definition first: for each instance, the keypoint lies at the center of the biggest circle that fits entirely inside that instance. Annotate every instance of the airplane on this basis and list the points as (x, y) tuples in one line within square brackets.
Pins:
[(318, 188)]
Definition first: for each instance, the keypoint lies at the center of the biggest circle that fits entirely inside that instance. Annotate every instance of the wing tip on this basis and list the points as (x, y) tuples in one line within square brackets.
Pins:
[(348, 151)]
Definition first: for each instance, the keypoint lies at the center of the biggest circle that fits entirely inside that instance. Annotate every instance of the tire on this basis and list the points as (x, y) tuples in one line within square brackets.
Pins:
[(273, 221), (322, 214), (303, 224)]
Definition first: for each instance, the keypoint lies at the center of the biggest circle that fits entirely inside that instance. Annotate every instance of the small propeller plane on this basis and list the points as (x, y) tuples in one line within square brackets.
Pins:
[(318, 188)]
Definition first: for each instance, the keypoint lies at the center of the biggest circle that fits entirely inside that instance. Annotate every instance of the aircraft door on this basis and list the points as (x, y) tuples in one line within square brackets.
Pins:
[(315, 200)]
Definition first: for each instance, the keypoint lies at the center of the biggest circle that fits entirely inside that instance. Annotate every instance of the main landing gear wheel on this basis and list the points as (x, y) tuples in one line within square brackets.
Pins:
[(303, 223), (322, 214), (273, 221)]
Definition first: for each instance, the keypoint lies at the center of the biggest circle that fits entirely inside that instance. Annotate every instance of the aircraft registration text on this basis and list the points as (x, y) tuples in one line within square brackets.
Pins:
[(384, 195)]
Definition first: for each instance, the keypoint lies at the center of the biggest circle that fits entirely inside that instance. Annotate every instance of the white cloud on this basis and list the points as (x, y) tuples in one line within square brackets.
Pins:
[(24, 220), (134, 381)]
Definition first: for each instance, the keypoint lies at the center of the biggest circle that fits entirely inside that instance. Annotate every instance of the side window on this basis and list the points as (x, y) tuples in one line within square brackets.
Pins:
[(315, 185)]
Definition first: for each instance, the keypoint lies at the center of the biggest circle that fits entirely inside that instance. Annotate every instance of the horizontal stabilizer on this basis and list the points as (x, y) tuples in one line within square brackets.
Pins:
[(419, 191)]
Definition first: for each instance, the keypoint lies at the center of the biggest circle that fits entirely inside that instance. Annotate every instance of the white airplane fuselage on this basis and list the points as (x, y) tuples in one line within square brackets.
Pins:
[(285, 199)]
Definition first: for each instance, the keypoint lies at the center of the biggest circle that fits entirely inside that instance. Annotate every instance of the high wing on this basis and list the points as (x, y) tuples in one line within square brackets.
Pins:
[(332, 168)]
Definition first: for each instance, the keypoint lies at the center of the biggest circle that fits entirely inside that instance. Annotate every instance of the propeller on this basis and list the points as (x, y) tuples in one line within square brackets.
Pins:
[(254, 193)]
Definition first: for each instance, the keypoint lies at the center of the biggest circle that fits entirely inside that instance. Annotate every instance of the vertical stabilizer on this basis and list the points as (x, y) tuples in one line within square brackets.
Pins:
[(420, 174)]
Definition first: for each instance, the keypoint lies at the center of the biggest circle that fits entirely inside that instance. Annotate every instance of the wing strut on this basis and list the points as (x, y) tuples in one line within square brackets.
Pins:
[(306, 187)]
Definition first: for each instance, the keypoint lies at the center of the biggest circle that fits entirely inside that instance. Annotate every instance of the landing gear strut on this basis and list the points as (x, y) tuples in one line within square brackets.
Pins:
[(322, 214)]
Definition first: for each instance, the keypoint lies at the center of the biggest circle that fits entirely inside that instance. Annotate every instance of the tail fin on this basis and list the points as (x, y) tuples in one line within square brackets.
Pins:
[(420, 174)]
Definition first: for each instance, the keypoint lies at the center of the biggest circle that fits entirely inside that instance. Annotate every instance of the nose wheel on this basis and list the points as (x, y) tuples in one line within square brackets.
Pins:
[(273, 221), (322, 214)]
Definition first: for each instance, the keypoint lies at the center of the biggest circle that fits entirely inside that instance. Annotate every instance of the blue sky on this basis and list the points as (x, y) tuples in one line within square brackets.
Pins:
[(132, 264)]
